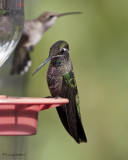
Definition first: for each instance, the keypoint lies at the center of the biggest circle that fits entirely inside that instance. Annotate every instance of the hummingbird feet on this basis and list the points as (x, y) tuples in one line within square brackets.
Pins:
[(57, 97), (53, 97), (49, 97)]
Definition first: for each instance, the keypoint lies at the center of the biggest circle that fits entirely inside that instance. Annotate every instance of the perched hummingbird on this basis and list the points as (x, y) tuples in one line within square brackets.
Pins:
[(61, 83), (32, 33)]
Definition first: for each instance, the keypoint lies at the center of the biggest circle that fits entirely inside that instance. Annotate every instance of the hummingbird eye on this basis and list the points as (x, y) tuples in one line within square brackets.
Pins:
[(50, 17), (62, 51)]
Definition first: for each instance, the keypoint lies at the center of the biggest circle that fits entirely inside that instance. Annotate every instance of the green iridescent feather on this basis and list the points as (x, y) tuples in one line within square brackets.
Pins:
[(71, 83)]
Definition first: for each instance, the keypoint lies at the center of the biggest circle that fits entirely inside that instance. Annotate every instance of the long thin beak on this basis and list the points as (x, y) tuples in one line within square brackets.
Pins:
[(68, 13), (47, 60)]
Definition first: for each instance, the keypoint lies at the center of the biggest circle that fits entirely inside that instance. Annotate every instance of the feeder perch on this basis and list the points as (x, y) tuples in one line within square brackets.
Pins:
[(19, 115)]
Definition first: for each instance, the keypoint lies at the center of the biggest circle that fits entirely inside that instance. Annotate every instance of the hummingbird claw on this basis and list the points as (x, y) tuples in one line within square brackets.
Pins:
[(48, 97), (57, 97)]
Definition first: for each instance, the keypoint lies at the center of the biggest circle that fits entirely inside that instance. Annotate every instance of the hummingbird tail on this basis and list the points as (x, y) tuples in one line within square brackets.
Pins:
[(80, 129), (21, 59), (21, 65), (73, 126)]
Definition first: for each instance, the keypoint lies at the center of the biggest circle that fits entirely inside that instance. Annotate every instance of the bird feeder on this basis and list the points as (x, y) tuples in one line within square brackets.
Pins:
[(19, 115)]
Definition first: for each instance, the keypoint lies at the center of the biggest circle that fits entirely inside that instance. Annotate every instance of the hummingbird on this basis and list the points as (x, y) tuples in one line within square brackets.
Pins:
[(33, 31), (61, 83)]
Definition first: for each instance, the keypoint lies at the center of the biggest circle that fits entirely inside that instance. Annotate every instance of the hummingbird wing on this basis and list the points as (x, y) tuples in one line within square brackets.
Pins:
[(21, 58), (70, 113)]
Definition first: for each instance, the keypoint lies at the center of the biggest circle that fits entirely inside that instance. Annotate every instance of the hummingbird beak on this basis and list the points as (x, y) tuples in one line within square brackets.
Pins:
[(68, 13), (47, 60)]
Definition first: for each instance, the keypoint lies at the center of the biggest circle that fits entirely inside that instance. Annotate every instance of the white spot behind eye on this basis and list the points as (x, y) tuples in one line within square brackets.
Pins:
[(64, 49)]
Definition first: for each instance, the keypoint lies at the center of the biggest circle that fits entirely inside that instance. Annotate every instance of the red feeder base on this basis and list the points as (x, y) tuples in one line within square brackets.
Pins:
[(19, 115)]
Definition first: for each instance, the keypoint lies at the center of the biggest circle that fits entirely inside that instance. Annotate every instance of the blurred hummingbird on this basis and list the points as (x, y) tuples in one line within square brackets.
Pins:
[(32, 33), (61, 83)]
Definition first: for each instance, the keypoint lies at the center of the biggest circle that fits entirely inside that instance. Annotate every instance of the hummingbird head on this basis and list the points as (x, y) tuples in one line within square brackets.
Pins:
[(49, 18), (58, 54), (59, 49)]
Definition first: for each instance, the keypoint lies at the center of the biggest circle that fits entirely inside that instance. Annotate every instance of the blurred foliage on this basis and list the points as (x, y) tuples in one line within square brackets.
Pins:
[(99, 52)]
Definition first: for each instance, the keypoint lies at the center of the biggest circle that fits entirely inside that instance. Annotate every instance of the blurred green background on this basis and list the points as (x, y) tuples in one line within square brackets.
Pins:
[(99, 52)]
